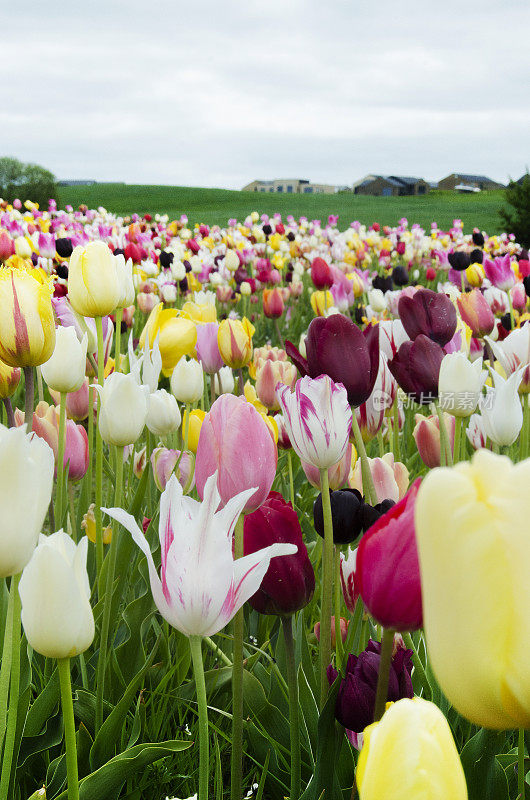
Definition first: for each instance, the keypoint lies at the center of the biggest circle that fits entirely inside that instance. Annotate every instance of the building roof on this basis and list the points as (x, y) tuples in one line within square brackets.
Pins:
[(394, 180), (472, 177), (406, 180)]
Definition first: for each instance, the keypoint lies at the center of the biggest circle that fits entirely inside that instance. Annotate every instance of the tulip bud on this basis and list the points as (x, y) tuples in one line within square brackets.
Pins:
[(27, 325), (55, 594), (125, 280), (224, 382), (164, 463), (412, 748), (343, 624), (321, 273), (518, 296), (207, 348), (426, 434), (337, 474), (23, 247), (9, 380), (272, 303), (187, 381), (65, 370), (235, 342), (390, 478), (94, 286), (119, 393), (476, 313), (269, 375), (460, 384), (284, 443), (163, 415), (289, 582), (231, 260), (429, 313)]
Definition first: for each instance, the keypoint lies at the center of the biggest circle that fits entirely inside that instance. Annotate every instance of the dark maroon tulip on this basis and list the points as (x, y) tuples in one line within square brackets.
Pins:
[(459, 260), (430, 313), (350, 515), (321, 273), (387, 570), (289, 582), (355, 704), (335, 346), (416, 367)]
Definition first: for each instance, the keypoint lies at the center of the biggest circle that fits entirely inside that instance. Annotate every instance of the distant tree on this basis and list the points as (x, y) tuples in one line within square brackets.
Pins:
[(26, 181), (517, 218)]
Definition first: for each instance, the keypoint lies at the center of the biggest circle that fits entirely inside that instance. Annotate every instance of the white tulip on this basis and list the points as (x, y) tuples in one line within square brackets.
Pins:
[(65, 370), (502, 413), (231, 261), (55, 594), (125, 278), (187, 381), (377, 300), (163, 415), (146, 368), (168, 293), (178, 270), (460, 384), (123, 409), (224, 382), (26, 481)]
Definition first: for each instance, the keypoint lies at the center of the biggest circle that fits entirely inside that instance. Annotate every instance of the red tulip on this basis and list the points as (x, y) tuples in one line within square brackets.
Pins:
[(321, 273), (272, 303), (289, 582), (387, 572), (476, 312)]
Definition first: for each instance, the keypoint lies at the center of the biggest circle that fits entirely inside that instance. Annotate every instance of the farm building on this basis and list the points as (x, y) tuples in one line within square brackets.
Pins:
[(290, 186), (481, 182), (391, 186)]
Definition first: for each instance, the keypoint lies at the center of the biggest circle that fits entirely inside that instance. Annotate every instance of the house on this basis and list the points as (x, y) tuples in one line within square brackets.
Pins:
[(458, 179), (289, 186), (76, 183), (391, 186)]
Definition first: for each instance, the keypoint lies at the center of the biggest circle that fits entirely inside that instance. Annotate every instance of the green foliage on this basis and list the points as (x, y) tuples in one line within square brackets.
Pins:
[(26, 182), (216, 206), (517, 218)]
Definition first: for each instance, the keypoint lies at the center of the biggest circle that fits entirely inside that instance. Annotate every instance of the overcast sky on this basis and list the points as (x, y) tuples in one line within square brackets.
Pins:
[(217, 93)]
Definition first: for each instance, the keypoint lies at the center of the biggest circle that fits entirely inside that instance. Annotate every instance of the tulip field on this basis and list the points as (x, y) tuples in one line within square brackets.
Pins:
[(264, 487)]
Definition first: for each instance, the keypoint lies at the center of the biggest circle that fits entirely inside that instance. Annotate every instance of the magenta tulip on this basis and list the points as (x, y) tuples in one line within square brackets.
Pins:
[(236, 442)]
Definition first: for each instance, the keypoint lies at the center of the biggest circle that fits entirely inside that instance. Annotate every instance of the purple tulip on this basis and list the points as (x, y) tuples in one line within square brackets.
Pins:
[(335, 346), (416, 367), (430, 313), (207, 348)]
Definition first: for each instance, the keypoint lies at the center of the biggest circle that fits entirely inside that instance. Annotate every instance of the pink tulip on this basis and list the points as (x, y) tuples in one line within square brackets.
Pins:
[(164, 461), (236, 443), (426, 434), (207, 348), (7, 246), (76, 402), (350, 589), (337, 474), (387, 570), (500, 272), (46, 426), (518, 296), (391, 479), (269, 375)]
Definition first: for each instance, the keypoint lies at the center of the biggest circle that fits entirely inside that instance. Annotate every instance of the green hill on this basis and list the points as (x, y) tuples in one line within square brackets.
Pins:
[(218, 205)]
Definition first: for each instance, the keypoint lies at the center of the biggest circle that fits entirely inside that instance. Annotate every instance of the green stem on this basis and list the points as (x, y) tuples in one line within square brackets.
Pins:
[(11, 732), (198, 671), (523, 441), (237, 684), (99, 455), (117, 344), (59, 495), (291, 481), (217, 650), (520, 766), (445, 446), (327, 588), (294, 724), (9, 412), (387, 645), (5, 672), (63, 665), (71, 510), (105, 624), (510, 304), (368, 483), (458, 438), (30, 391), (418, 666), (395, 429), (40, 387), (337, 596)]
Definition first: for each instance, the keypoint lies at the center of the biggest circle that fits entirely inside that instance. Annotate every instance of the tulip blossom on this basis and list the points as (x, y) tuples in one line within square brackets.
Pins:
[(187, 381), (392, 334), (273, 305), (387, 569), (27, 326), (355, 704), (474, 552), (337, 474), (207, 348), (370, 415), (200, 587), (94, 287), (460, 384), (426, 434), (321, 274), (125, 280), (476, 433), (410, 753), (163, 415), (223, 381), (238, 446), (318, 419), (429, 313), (391, 478), (65, 370), (499, 272), (24, 462), (9, 380), (476, 313), (514, 352), (350, 590), (269, 375), (55, 594), (234, 339), (289, 583), (336, 347), (416, 368), (165, 462), (177, 336), (502, 414), (119, 393)]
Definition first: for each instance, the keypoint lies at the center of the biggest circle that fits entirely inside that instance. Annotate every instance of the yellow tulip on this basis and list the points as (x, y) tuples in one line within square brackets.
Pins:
[(194, 427), (410, 755), (251, 397), (27, 325), (23, 247), (9, 380), (177, 336), (475, 274), (199, 312), (88, 524), (234, 339), (473, 540), (94, 287), (321, 301)]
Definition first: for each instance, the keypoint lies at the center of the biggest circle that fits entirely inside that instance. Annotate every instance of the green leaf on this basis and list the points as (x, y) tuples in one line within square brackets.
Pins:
[(105, 782), (324, 780), (484, 775)]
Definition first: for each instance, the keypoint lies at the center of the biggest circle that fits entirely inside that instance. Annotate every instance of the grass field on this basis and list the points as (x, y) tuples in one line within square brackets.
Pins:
[(218, 205)]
